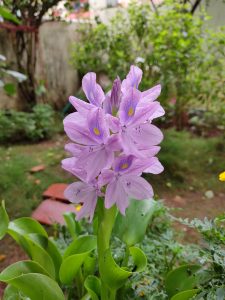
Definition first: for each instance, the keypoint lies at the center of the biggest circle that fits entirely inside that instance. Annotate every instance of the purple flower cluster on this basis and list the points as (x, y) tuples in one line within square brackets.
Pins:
[(113, 143)]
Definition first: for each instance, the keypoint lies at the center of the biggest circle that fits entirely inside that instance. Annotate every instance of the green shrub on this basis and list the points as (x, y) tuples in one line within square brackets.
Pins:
[(172, 47), (20, 126)]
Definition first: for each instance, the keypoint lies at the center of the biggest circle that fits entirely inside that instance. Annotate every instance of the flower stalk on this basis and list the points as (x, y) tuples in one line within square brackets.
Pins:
[(106, 218)]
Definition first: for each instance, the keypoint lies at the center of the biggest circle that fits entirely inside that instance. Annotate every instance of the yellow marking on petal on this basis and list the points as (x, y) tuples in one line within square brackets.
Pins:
[(78, 207), (130, 112), (96, 131), (124, 166), (222, 176)]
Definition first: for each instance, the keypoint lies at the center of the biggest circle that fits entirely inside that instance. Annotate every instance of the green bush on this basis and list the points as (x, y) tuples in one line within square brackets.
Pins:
[(172, 47), (20, 126)]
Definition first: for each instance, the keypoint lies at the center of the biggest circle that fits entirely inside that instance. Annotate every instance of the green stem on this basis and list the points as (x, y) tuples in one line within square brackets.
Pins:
[(106, 218), (80, 283)]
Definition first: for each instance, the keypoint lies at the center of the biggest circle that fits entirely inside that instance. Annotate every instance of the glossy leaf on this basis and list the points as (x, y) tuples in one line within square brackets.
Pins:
[(36, 247), (89, 265), (181, 279), (132, 227), (115, 276), (26, 225), (72, 225), (185, 295), (75, 256), (30, 278), (93, 287), (12, 293), (4, 220)]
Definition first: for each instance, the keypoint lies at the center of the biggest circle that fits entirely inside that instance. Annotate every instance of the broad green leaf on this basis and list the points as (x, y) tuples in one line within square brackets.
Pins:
[(55, 255), (21, 267), (132, 227), (4, 220), (75, 256), (7, 15), (93, 286), (139, 259), (25, 225), (89, 265), (35, 246), (115, 276), (72, 225), (185, 295), (181, 279), (12, 293), (33, 238), (28, 278)]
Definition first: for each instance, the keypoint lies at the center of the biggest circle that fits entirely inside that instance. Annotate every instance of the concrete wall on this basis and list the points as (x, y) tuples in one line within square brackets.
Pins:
[(53, 66)]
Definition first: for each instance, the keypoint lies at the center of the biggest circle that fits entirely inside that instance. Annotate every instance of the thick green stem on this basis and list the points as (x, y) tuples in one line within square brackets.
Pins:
[(106, 218)]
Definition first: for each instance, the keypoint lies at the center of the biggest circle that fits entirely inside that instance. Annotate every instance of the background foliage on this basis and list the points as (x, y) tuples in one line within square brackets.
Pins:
[(172, 46)]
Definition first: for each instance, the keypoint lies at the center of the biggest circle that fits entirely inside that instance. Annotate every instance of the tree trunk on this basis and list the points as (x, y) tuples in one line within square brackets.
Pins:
[(25, 48)]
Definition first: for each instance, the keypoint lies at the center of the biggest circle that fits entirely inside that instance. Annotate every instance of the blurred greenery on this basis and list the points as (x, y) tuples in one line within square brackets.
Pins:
[(173, 48), (21, 126)]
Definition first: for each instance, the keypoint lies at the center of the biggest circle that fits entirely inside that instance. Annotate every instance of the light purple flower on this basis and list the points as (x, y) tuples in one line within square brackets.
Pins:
[(124, 182), (136, 132), (95, 146), (112, 143)]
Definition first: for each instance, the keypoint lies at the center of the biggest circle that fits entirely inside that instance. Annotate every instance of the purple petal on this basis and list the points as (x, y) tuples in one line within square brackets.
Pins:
[(137, 187), (128, 144), (113, 123), (128, 105), (133, 78), (147, 112), (74, 149), (151, 94), (80, 105), (107, 105), (105, 177), (146, 135), (92, 90), (70, 165), (113, 143), (152, 151), (80, 192), (115, 193), (88, 208), (95, 161), (97, 125), (76, 128), (116, 95), (122, 163), (155, 166)]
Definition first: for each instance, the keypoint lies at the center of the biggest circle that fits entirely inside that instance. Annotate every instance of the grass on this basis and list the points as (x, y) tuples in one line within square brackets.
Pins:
[(190, 162)]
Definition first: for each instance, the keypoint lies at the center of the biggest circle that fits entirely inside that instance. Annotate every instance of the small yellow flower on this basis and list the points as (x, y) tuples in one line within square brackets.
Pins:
[(222, 176), (78, 207)]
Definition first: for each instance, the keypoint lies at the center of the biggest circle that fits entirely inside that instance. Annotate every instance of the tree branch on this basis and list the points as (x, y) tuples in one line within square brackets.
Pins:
[(195, 5)]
